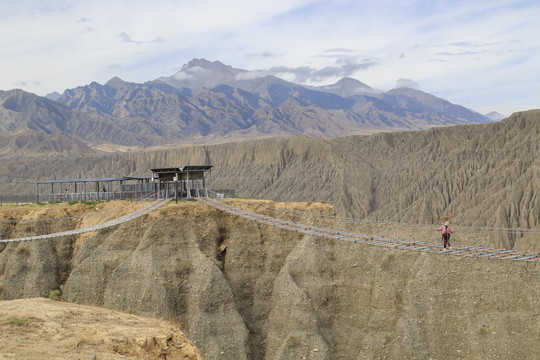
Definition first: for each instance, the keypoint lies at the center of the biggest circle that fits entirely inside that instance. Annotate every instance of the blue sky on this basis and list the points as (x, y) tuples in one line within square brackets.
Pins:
[(484, 55)]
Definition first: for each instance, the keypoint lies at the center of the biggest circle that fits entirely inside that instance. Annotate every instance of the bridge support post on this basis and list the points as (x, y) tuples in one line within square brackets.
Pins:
[(188, 190)]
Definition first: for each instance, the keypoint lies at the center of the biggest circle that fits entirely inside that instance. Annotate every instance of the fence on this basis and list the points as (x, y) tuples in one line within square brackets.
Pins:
[(89, 196), (137, 194)]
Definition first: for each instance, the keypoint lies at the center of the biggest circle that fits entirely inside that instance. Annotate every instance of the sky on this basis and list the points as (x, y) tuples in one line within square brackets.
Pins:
[(484, 55)]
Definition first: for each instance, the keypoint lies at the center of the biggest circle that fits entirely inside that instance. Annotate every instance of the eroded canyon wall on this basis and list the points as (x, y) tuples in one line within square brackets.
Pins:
[(276, 294)]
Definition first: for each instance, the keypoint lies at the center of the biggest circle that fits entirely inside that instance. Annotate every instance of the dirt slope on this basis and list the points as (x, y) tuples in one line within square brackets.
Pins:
[(276, 294), (43, 329)]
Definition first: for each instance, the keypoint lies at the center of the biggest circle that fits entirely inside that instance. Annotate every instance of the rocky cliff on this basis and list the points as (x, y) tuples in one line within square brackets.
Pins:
[(275, 294)]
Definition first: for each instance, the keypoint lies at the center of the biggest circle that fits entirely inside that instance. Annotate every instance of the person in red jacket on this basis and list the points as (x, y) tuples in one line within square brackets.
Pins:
[(446, 230)]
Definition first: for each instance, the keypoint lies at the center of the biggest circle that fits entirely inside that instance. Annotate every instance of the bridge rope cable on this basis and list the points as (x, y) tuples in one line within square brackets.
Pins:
[(337, 219), (403, 244), (107, 224)]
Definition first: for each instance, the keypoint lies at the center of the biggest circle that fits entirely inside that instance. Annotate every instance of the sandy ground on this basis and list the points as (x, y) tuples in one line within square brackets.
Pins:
[(44, 329)]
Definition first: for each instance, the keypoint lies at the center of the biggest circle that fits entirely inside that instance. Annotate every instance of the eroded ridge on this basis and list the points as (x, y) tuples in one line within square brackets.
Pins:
[(403, 244)]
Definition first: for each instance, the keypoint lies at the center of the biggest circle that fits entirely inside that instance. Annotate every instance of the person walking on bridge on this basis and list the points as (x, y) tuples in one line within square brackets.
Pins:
[(446, 230)]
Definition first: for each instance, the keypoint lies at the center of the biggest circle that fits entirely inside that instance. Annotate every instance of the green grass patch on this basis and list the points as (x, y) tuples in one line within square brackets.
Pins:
[(54, 295), (240, 197), (19, 321), (91, 203), (293, 341), (132, 311)]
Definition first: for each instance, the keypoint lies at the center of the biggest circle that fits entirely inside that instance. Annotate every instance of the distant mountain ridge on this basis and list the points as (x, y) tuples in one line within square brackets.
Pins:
[(495, 116), (21, 111), (209, 102)]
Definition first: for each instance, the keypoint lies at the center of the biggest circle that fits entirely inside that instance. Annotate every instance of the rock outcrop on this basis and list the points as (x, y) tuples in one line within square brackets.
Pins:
[(276, 294)]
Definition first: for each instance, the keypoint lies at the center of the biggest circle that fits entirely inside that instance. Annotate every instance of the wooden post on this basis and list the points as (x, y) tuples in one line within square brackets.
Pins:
[(188, 190), (210, 185), (176, 188), (204, 185)]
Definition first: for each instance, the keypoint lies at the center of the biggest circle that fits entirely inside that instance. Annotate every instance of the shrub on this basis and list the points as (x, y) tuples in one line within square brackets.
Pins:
[(293, 341), (72, 202), (19, 321), (82, 343), (22, 250), (132, 311), (54, 295), (91, 202)]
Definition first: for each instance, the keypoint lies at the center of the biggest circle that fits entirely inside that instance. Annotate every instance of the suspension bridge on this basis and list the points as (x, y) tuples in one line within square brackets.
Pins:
[(403, 244), (381, 241)]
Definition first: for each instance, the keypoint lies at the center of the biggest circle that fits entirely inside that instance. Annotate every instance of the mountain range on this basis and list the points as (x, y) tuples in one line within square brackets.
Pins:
[(210, 102)]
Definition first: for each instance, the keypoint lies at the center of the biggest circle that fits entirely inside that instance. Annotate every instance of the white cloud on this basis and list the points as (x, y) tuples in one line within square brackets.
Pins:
[(462, 50), (250, 75), (408, 83), (191, 73)]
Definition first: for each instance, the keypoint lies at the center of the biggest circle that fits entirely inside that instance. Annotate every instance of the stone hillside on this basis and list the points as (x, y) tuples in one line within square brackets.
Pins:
[(276, 294)]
